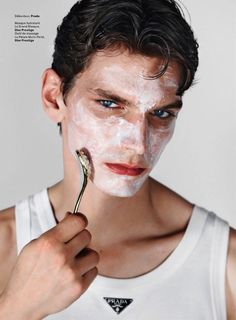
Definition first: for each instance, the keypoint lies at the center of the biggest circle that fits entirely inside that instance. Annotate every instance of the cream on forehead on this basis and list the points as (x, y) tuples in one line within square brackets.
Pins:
[(144, 93)]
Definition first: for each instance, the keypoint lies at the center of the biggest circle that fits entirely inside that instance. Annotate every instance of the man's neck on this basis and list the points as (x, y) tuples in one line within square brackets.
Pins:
[(110, 218)]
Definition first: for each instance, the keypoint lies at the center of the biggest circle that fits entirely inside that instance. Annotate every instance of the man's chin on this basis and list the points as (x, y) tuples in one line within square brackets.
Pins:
[(121, 194)]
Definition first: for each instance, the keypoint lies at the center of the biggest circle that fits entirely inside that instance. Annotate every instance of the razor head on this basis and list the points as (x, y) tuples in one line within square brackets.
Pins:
[(84, 160)]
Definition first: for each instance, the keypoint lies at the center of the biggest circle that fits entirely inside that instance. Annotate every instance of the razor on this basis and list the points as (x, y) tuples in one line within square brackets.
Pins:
[(84, 170)]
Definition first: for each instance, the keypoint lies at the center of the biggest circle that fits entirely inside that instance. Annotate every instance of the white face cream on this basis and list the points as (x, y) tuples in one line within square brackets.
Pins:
[(132, 131)]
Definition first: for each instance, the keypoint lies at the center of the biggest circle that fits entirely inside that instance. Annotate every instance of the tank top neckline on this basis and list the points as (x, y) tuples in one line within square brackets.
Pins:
[(161, 272)]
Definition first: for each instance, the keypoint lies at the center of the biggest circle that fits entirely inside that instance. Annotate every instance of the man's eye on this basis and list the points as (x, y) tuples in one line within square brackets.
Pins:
[(162, 114), (108, 104)]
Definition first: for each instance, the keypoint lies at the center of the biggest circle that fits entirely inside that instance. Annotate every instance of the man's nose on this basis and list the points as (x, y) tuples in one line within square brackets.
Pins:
[(136, 138)]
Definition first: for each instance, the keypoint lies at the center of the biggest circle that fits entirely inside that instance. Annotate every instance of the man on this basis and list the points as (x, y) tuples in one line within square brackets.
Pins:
[(138, 251)]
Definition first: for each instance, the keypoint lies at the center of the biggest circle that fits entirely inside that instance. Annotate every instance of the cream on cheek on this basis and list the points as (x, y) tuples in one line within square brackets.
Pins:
[(84, 132), (158, 141)]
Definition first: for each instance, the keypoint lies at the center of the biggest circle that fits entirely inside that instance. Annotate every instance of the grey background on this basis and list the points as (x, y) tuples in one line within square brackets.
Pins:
[(199, 162)]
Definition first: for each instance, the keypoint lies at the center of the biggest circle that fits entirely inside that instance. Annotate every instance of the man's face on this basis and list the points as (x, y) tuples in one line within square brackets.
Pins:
[(122, 118)]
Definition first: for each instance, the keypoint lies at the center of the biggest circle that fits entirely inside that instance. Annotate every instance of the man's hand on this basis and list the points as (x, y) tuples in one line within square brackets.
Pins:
[(51, 272)]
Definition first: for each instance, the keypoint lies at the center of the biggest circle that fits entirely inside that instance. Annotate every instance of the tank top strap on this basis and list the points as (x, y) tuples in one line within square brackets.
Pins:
[(218, 267), (22, 217), (42, 214), (34, 216)]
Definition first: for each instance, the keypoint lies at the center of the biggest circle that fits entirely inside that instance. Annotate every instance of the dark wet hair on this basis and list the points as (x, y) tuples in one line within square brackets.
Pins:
[(148, 27)]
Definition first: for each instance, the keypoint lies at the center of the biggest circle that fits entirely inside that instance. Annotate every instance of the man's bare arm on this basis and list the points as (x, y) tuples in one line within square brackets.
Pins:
[(8, 252), (231, 276)]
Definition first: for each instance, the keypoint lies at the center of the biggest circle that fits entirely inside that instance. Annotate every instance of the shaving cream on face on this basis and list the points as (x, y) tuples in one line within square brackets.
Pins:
[(126, 133)]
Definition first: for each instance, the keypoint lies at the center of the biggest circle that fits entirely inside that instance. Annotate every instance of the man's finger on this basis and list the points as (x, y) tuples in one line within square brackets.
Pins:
[(69, 227)]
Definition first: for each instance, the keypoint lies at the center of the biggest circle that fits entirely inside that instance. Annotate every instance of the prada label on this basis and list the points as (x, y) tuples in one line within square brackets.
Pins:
[(118, 304)]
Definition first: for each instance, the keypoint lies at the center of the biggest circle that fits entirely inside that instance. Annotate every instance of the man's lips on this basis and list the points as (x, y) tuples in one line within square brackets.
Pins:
[(125, 169)]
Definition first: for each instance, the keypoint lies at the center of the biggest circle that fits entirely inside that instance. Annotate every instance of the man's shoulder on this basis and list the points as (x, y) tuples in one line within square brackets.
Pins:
[(8, 252), (8, 213), (232, 242), (231, 276), (180, 209), (7, 224)]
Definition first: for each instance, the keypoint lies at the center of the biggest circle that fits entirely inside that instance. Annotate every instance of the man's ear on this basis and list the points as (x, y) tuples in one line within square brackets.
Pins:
[(52, 96)]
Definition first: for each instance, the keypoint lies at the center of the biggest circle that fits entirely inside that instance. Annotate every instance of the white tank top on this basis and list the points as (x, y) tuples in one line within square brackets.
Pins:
[(189, 284)]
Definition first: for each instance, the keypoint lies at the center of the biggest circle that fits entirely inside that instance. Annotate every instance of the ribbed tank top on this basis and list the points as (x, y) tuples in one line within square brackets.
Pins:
[(189, 284)]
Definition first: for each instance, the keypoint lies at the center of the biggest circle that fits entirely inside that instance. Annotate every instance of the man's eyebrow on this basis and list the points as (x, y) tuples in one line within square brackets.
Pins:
[(173, 105), (109, 95)]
